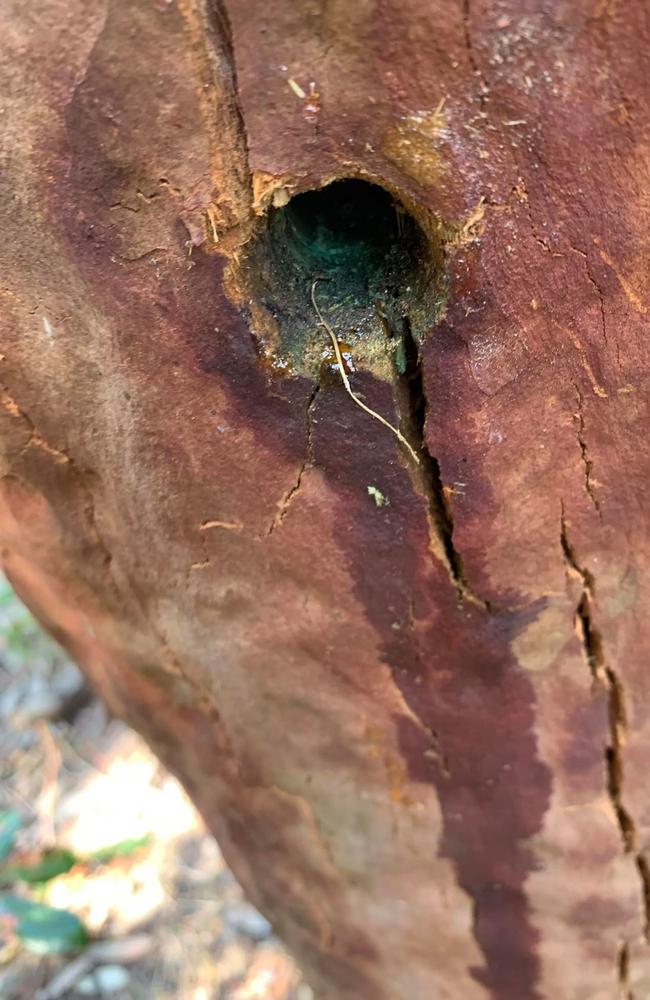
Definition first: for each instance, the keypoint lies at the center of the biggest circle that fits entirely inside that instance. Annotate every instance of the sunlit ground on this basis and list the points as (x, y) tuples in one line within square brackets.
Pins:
[(166, 919)]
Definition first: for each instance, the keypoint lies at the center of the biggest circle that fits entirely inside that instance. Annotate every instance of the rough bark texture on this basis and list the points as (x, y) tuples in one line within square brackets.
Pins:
[(419, 728)]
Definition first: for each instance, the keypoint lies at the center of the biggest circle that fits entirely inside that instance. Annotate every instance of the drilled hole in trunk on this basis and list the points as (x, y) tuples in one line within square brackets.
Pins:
[(375, 264)]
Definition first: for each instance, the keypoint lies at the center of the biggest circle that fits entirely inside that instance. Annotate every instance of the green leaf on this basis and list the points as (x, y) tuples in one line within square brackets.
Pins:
[(14, 906), (43, 929), (10, 823), (122, 849), (51, 864)]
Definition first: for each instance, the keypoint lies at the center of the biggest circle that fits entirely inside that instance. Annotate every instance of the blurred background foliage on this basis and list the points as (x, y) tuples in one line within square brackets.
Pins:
[(109, 884)]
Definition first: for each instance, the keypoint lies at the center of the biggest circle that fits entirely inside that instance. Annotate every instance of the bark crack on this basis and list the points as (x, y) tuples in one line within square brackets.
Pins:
[(623, 963), (644, 874), (579, 422), (609, 679), (412, 410), (210, 525), (36, 439), (60, 457), (546, 246), (140, 256), (287, 499), (599, 293)]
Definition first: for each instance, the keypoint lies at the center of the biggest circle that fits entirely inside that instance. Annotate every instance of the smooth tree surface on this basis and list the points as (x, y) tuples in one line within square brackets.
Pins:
[(325, 381)]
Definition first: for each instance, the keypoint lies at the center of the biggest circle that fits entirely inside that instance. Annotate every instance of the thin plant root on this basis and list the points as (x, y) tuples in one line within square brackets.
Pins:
[(346, 381)]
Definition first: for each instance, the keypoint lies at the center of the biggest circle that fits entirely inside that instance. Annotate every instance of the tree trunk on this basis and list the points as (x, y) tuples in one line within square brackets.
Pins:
[(397, 651)]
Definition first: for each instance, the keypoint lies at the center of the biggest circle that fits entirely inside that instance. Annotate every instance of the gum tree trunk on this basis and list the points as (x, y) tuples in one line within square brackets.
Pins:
[(401, 666)]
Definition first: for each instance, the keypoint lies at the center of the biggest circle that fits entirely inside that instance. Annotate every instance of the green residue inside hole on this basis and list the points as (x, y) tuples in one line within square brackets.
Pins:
[(373, 263), (348, 227)]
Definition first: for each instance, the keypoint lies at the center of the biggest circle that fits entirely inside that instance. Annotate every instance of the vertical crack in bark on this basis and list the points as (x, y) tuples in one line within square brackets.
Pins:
[(604, 674), (623, 962), (411, 405), (288, 497), (579, 421), (644, 874), (598, 289), (521, 191)]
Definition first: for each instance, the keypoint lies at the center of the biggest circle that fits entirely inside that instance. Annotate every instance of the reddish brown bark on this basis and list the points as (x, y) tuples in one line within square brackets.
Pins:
[(419, 728)]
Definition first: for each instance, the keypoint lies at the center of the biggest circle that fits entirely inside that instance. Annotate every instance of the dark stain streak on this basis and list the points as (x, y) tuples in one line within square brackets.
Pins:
[(472, 731)]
